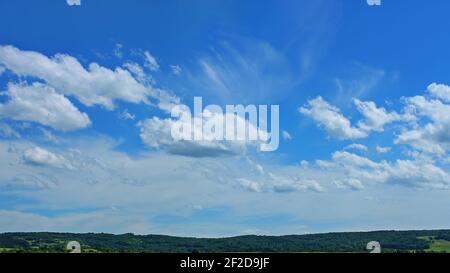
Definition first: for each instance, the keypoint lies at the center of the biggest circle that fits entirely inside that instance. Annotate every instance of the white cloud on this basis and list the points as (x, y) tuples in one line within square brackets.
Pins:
[(351, 183), (374, 118), (32, 182), (418, 173), (250, 185), (48, 136), (2, 69), (424, 126), (96, 85), (142, 187), (150, 61), (176, 69), (436, 110), (432, 135), (323, 164), (349, 159), (125, 115), (118, 51), (363, 80), (357, 146), (286, 135), (382, 150), (279, 183), (331, 119), (105, 177), (277, 180), (99, 177), (40, 103), (430, 139), (73, 2), (286, 185), (135, 69), (337, 125), (138, 72), (304, 164), (259, 169), (156, 133), (441, 91), (237, 73), (40, 156)]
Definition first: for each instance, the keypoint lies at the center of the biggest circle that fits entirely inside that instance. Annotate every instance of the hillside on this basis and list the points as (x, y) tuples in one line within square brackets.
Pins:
[(391, 241)]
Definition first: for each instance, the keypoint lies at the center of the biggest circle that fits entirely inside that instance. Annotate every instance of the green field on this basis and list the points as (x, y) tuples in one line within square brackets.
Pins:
[(436, 245)]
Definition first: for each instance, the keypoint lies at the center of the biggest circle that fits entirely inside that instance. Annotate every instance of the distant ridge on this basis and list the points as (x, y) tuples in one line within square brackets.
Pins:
[(391, 241)]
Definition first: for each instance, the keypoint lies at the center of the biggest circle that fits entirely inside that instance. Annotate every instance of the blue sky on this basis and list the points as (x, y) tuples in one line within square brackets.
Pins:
[(87, 89)]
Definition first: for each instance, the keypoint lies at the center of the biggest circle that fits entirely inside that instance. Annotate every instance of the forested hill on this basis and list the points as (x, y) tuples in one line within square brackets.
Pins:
[(391, 241)]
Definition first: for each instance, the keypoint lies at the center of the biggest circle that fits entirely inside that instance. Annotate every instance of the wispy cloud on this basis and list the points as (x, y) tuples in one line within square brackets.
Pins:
[(238, 72), (73, 2)]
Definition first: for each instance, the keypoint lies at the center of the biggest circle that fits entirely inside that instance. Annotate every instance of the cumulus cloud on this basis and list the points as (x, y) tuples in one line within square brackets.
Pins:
[(42, 104), (98, 176), (277, 180), (331, 119), (103, 178), (280, 184), (287, 185), (356, 146), (30, 165), (430, 138), (40, 156), (424, 126), (418, 173), (348, 170), (432, 134), (156, 133), (374, 118), (337, 125), (441, 91), (205, 135), (304, 164), (436, 110), (351, 183), (96, 85), (250, 185)]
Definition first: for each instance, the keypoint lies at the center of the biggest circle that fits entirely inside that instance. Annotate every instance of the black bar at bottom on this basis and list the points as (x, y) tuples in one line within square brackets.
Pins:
[(223, 262)]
